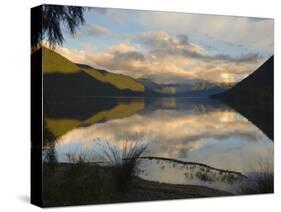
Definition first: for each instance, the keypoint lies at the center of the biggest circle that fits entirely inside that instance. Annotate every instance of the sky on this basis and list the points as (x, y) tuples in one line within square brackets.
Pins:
[(168, 47)]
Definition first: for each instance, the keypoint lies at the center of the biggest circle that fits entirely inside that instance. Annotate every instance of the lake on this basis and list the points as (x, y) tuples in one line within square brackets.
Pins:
[(198, 130)]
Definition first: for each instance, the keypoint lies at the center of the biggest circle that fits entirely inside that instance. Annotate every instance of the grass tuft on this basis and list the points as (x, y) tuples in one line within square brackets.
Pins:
[(262, 179), (79, 157), (124, 162)]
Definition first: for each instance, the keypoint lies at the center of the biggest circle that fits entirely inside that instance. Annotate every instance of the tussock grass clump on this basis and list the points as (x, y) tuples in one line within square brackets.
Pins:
[(261, 180), (69, 184), (77, 182), (124, 161), (79, 157)]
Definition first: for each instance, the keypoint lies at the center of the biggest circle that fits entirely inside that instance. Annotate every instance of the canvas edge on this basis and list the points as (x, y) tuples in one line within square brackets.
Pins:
[(36, 116)]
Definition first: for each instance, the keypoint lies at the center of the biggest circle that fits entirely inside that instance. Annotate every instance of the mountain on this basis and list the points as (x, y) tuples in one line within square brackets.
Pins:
[(119, 81), (149, 84), (54, 63), (256, 88), (253, 97), (65, 78), (197, 89), (157, 88), (201, 89)]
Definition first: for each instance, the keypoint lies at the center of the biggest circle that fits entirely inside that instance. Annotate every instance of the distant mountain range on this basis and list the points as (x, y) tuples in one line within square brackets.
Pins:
[(253, 97), (62, 77), (197, 89)]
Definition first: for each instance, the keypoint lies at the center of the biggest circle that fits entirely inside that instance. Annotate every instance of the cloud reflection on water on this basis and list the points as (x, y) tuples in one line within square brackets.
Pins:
[(215, 135)]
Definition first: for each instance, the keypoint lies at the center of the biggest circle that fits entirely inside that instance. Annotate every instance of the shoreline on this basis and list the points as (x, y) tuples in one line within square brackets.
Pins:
[(170, 160), (94, 184), (192, 163)]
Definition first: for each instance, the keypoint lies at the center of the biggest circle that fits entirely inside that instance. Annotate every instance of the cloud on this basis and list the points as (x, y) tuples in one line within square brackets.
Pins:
[(164, 58), (162, 40), (94, 29), (90, 29), (115, 15), (254, 34), (133, 55), (251, 33), (162, 44)]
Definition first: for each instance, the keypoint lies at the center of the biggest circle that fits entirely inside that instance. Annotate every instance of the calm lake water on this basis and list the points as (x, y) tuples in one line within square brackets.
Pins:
[(186, 129)]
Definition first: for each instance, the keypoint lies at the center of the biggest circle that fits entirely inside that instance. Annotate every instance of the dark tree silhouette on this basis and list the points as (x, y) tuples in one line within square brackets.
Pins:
[(54, 17)]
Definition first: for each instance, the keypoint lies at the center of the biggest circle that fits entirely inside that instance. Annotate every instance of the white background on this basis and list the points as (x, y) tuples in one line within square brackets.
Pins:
[(15, 103)]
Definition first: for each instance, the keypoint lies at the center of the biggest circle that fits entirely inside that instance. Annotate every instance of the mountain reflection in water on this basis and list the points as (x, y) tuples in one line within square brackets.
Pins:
[(194, 130)]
